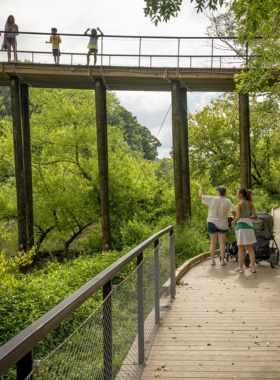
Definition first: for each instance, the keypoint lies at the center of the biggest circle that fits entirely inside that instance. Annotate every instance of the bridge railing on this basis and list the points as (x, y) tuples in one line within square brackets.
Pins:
[(135, 51), (116, 337)]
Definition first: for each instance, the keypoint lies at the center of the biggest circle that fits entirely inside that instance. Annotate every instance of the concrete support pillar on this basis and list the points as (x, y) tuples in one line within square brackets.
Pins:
[(27, 165), (185, 156), (102, 149), (19, 165), (244, 139), (177, 150)]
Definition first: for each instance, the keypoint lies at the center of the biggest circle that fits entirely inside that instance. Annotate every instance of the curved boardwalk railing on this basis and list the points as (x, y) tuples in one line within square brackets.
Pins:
[(222, 325), (139, 296)]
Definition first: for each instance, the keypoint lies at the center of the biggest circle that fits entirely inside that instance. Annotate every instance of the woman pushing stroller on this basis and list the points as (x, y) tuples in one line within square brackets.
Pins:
[(244, 230)]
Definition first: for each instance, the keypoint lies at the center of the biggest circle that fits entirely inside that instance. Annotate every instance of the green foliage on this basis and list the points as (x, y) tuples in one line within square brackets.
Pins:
[(138, 137), (65, 169), (214, 142), (163, 10)]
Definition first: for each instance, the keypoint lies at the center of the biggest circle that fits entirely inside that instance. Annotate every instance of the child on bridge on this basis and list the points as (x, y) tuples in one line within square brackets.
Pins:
[(92, 46), (55, 40)]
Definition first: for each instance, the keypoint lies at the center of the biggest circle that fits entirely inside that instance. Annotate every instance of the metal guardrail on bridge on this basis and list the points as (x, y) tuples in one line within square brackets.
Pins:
[(115, 339), (136, 51)]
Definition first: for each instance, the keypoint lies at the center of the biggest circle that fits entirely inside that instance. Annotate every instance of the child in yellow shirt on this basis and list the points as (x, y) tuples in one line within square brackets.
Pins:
[(55, 40)]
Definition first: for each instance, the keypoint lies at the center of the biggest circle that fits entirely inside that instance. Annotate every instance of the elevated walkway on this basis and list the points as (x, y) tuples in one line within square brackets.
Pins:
[(222, 325), (118, 77)]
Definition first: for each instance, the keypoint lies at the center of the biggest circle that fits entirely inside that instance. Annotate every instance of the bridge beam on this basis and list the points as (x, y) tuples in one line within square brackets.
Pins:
[(244, 140), (102, 149), (19, 164), (28, 191), (185, 155), (177, 150)]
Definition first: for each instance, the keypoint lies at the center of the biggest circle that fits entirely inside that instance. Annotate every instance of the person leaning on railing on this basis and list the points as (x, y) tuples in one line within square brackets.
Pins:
[(217, 220), (244, 230), (11, 30)]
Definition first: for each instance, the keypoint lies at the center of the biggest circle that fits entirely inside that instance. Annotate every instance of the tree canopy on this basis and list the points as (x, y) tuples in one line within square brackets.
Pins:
[(163, 10)]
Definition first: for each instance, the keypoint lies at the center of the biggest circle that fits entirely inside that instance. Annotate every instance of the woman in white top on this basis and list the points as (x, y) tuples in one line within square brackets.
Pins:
[(217, 219)]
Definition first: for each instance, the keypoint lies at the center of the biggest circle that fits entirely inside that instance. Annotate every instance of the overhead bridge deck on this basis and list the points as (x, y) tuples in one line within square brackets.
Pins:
[(117, 78)]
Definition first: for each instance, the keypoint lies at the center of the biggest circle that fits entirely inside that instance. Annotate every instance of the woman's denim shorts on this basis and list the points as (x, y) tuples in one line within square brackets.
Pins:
[(212, 229), (11, 40)]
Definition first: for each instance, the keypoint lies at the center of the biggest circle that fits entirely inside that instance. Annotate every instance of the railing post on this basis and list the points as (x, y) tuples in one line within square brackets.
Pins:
[(102, 51), (220, 62), (172, 264), (190, 62), (151, 61), (178, 52), (140, 51), (140, 297), (247, 49), (156, 262), (24, 366), (32, 57), (71, 59), (107, 332), (212, 51), (109, 60)]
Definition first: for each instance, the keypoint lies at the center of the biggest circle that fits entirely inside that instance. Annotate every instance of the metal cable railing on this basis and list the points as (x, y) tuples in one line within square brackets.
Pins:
[(115, 340), (136, 51)]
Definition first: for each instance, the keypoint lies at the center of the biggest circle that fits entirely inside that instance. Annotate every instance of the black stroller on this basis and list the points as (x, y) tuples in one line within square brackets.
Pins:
[(266, 247), (231, 244)]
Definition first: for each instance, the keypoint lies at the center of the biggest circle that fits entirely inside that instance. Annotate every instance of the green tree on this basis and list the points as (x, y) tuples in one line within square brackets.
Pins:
[(138, 137), (214, 142), (65, 170), (163, 10)]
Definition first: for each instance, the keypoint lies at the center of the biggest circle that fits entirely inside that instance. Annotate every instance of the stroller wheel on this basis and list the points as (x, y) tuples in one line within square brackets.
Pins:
[(247, 260), (273, 260)]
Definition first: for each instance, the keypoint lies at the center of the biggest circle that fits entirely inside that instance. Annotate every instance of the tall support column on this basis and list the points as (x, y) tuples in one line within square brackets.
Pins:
[(185, 155), (244, 139), (27, 165), (19, 166), (177, 150), (102, 149)]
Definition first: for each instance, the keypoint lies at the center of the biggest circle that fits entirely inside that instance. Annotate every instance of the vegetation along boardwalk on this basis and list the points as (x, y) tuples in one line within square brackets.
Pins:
[(222, 325)]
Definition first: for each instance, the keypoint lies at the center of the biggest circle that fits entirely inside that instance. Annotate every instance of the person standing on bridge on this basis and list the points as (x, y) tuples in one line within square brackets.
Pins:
[(92, 45), (55, 40), (11, 31), (217, 220), (244, 230)]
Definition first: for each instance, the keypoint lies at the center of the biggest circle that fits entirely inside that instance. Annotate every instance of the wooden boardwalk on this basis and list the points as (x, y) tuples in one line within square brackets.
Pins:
[(222, 325)]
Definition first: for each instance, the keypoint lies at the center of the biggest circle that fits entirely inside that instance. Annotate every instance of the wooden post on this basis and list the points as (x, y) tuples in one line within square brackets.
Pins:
[(102, 149), (185, 156), (244, 139), (177, 150), (27, 165), (19, 166)]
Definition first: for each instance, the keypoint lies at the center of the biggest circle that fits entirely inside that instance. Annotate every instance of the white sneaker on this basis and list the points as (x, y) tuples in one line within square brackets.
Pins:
[(213, 262), (223, 263)]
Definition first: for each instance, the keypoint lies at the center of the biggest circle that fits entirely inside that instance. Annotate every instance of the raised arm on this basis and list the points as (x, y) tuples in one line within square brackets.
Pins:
[(87, 30), (200, 193), (100, 31)]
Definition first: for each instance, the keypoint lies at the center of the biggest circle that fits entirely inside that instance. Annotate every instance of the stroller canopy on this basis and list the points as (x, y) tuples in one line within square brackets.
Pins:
[(267, 231)]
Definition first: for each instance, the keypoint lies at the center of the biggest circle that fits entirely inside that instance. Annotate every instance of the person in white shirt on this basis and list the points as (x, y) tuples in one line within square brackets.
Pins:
[(217, 220)]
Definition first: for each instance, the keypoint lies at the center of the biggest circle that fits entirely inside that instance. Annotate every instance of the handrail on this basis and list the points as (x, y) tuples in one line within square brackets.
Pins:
[(125, 36), (17, 347)]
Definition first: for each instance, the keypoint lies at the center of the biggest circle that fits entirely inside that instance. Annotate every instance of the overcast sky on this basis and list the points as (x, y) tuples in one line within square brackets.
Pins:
[(122, 17)]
